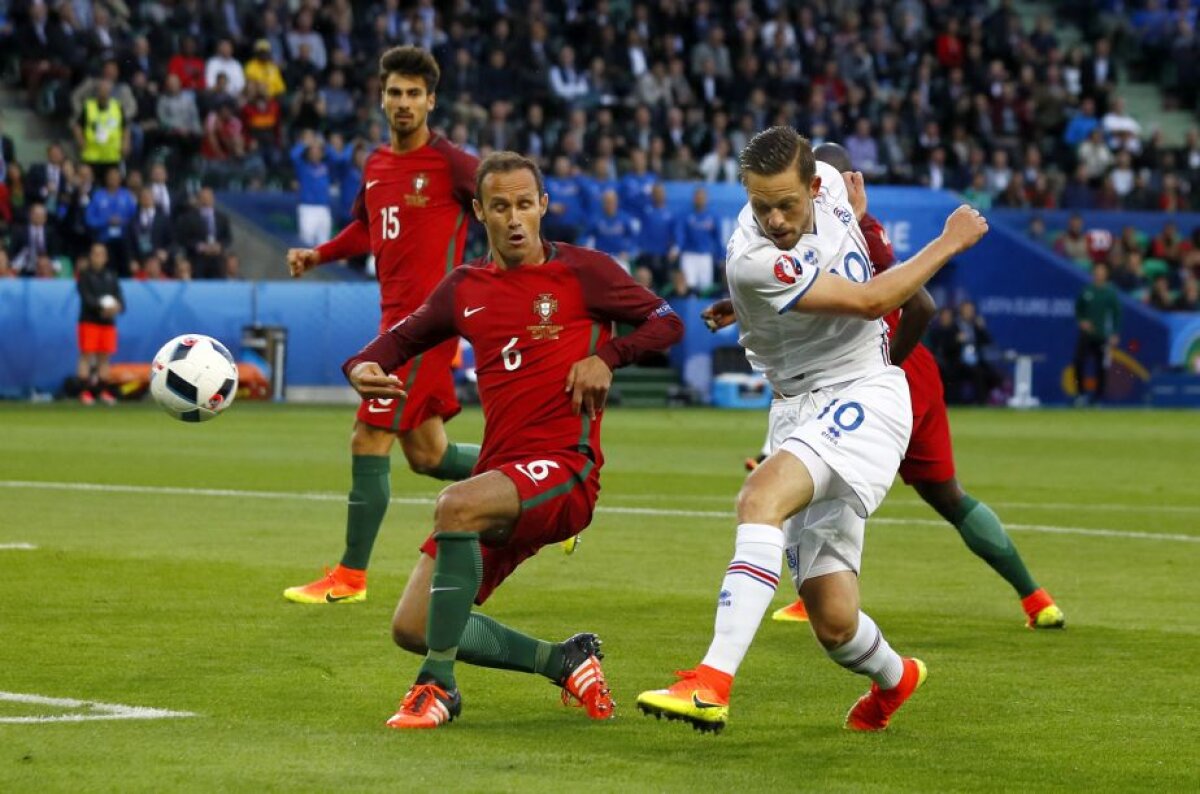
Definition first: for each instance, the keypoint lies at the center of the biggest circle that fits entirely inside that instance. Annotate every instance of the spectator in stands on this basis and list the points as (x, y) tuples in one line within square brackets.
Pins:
[(233, 267), (566, 214), (183, 269), (614, 231), (1081, 124), (945, 342), (1098, 314), (311, 161), (14, 199), (1173, 198), (1072, 243), (339, 104), (101, 131), (6, 270), (1189, 296), (74, 224), (975, 342), (224, 146), (659, 248), (48, 183), (149, 233), (100, 301), (302, 35), (187, 66), (1094, 155), (222, 63), (678, 287), (33, 239), (108, 213), (46, 52), (262, 125), (1160, 296), (168, 201), (977, 194), (568, 83), (204, 234), (262, 67), (719, 165), (179, 127), (1169, 245), (45, 267), (636, 186), (701, 247), (152, 269), (1128, 275), (1078, 194), (308, 107)]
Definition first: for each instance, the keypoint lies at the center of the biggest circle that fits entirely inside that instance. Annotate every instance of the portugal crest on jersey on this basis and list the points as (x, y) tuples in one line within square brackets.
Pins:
[(544, 306), (416, 198)]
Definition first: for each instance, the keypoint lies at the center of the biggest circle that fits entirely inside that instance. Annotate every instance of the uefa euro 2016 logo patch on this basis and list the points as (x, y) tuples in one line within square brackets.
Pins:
[(787, 268)]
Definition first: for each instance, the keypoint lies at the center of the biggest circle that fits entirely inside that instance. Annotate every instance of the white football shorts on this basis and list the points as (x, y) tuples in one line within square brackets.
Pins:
[(859, 430)]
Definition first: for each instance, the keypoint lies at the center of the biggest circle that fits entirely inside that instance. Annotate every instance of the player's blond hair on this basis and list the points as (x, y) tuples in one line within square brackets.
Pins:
[(776, 149)]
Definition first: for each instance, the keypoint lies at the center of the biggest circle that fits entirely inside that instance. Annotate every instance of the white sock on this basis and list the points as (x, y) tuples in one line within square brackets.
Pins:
[(746, 592), (869, 654), (766, 447)]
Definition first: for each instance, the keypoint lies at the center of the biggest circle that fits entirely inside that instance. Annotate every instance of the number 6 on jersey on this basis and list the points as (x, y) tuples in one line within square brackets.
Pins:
[(510, 355)]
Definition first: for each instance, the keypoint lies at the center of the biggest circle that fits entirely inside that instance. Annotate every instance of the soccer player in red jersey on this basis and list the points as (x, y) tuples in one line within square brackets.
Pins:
[(540, 317), (411, 213), (928, 464)]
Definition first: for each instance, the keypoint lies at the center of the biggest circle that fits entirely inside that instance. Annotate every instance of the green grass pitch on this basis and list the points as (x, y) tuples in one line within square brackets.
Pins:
[(143, 592)]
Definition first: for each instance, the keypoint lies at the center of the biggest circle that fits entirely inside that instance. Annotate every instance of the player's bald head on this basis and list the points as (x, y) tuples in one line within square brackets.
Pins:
[(835, 155), (775, 150)]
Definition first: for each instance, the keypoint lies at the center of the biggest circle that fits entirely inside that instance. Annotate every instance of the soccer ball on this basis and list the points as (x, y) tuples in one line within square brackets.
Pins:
[(193, 377)]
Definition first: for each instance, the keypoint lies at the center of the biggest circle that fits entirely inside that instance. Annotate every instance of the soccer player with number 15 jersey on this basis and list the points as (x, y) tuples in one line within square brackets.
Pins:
[(411, 213)]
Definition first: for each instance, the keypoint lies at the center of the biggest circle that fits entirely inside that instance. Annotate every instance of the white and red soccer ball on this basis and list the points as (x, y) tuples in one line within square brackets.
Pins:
[(193, 377)]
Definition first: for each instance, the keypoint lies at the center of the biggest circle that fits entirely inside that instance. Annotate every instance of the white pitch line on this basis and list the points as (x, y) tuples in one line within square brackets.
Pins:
[(647, 511), (1091, 506), (98, 711), (17, 547)]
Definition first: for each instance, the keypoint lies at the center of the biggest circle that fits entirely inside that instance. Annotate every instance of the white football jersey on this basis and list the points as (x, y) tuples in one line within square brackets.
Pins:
[(800, 352)]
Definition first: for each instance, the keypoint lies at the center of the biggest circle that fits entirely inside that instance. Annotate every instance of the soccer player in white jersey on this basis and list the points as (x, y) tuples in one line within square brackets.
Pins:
[(810, 316)]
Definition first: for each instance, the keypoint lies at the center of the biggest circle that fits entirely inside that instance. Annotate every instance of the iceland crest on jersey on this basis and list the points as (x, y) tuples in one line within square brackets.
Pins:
[(787, 268)]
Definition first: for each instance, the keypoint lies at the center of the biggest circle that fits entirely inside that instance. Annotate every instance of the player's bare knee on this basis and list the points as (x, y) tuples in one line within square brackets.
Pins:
[(367, 440), (833, 633), (455, 510), (758, 506), (422, 461)]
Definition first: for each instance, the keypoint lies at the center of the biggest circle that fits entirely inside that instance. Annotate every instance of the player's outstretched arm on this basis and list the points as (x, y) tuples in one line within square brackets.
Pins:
[(890, 289), (352, 241)]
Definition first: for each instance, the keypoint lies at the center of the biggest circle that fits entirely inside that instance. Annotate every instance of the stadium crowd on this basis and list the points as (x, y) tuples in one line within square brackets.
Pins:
[(611, 97)]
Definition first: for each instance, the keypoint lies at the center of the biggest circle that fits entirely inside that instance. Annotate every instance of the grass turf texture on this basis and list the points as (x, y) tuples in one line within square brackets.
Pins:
[(172, 601)]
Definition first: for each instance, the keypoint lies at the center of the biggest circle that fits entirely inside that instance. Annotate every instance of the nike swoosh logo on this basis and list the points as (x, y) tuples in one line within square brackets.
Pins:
[(469, 312), (377, 409), (372, 183), (440, 589), (700, 704), (332, 599)]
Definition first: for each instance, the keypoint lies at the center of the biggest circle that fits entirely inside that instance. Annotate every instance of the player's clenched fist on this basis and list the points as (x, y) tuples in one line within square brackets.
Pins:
[(301, 259), (369, 380), (964, 228)]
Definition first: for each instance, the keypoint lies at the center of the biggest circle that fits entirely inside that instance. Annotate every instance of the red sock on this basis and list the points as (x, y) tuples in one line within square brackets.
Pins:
[(350, 576), (721, 683)]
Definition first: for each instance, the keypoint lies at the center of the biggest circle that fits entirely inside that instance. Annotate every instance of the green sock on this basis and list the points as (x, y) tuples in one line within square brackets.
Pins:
[(457, 573), (457, 463), (983, 533), (486, 643), (370, 490)]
